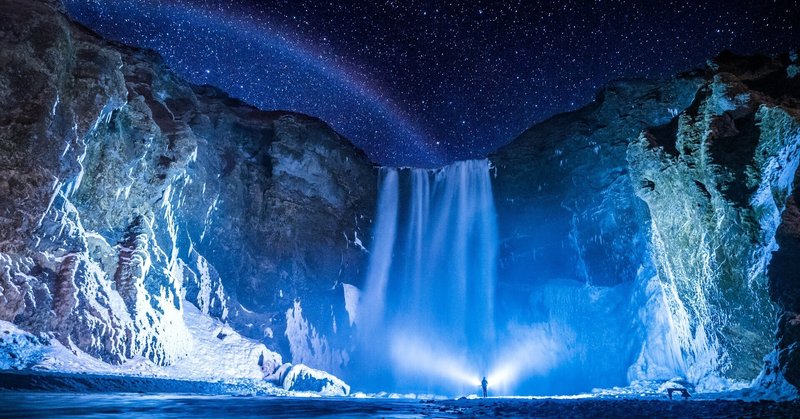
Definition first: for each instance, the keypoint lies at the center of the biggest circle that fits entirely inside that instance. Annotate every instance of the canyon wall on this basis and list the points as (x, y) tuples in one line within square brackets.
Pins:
[(684, 189), (127, 192), (719, 181)]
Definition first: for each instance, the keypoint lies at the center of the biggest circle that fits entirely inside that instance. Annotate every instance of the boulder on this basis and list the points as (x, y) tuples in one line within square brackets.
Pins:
[(301, 378)]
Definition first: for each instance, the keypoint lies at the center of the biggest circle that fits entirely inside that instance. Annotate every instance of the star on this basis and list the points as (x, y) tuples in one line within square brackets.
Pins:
[(427, 83)]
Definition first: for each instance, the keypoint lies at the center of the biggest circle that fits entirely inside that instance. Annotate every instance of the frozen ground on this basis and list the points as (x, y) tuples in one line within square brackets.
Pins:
[(38, 404), (216, 360), (44, 394), (213, 351)]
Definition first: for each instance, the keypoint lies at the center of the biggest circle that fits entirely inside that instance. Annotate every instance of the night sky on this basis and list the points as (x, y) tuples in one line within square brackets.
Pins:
[(424, 83)]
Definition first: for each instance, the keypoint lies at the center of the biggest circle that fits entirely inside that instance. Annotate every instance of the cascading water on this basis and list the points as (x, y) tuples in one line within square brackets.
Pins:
[(434, 318), (428, 314), (428, 321)]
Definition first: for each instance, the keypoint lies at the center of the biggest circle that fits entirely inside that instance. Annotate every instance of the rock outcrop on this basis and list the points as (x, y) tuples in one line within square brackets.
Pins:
[(563, 192), (126, 192), (684, 188), (719, 180)]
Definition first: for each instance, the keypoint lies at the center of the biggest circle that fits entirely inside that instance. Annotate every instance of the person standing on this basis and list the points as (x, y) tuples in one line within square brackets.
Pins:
[(484, 384)]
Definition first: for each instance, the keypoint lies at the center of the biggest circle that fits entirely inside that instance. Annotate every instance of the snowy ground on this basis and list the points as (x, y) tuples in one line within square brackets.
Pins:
[(223, 374), (214, 351), (216, 360), (36, 404)]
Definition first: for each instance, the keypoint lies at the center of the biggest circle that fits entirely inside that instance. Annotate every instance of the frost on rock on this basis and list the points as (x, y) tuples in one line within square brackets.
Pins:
[(308, 346), (301, 378), (19, 349), (352, 297), (716, 180), (203, 285)]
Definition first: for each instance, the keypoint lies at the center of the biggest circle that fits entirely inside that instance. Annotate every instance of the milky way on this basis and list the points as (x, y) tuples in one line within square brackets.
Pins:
[(425, 83)]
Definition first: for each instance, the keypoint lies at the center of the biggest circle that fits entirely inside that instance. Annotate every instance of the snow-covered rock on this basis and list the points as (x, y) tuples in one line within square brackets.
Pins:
[(211, 351), (301, 378), (215, 351), (19, 349)]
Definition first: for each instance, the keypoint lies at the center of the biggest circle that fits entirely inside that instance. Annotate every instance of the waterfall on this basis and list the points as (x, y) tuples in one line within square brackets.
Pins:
[(427, 319), (428, 304)]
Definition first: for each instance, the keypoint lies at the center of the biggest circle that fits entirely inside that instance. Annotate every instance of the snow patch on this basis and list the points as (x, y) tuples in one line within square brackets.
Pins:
[(352, 296), (213, 351), (302, 378), (357, 242)]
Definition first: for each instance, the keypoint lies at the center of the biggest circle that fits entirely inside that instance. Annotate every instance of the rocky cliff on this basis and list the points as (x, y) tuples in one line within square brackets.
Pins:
[(686, 190), (563, 190), (126, 193), (719, 181)]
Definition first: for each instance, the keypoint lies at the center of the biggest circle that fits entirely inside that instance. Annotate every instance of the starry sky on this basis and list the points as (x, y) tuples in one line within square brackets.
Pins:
[(423, 83)]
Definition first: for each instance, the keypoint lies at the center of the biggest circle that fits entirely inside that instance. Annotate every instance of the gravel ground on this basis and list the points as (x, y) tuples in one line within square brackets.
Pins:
[(37, 394), (46, 404)]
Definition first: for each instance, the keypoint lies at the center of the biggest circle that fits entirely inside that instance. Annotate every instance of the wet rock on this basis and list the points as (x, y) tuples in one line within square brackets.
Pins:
[(566, 207), (573, 233)]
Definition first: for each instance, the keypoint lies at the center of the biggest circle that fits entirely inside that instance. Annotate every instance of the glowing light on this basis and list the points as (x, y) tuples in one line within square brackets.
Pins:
[(536, 350), (416, 357), (503, 375)]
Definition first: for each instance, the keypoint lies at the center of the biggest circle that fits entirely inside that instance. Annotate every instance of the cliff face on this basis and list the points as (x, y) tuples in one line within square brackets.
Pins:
[(563, 192), (719, 181), (686, 190), (127, 192)]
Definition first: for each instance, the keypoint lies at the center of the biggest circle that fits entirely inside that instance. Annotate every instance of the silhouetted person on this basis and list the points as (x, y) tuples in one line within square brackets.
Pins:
[(484, 384)]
